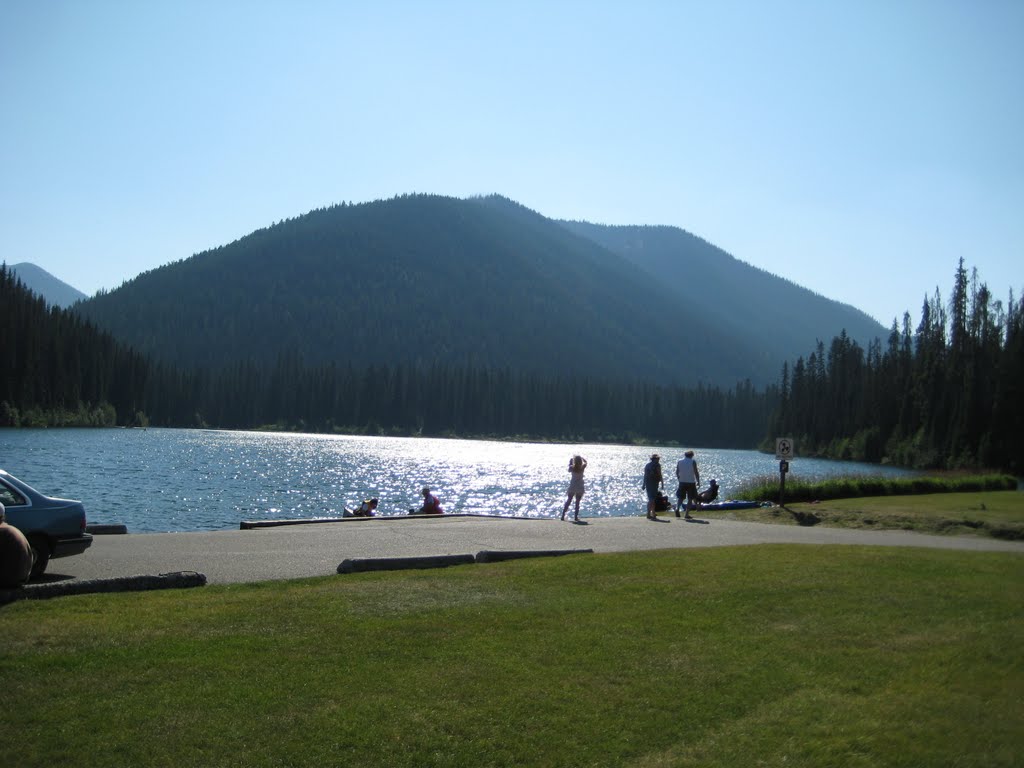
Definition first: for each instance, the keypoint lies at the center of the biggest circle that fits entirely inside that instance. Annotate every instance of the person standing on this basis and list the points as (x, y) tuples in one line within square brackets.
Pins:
[(689, 478), (653, 481), (576, 466)]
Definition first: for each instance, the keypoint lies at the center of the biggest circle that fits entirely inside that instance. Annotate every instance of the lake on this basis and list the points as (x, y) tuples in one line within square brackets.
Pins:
[(156, 480)]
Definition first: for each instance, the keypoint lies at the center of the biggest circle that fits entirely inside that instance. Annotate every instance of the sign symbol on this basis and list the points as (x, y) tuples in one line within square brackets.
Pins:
[(784, 448)]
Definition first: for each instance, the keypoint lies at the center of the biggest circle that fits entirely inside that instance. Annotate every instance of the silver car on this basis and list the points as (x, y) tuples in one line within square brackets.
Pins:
[(54, 527)]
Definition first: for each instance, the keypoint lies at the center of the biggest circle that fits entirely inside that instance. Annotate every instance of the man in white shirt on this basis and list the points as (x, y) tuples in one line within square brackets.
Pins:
[(689, 478)]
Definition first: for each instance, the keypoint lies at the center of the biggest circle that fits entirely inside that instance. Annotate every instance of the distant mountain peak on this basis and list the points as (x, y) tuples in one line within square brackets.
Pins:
[(53, 290)]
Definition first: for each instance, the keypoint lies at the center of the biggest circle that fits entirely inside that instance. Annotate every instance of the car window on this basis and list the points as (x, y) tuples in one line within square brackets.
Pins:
[(10, 497)]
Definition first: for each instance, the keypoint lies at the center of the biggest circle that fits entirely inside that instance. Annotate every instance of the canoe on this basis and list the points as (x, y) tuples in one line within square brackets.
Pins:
[(725, 505)]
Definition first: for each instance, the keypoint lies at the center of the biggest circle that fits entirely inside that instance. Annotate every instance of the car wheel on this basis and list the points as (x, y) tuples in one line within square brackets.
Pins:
[(41, 549)]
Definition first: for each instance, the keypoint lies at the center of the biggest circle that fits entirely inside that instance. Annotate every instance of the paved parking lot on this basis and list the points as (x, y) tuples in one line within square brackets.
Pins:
[(299, 551)]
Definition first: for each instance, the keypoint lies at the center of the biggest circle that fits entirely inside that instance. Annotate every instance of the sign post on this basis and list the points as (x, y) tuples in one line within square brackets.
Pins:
[(783, 452)]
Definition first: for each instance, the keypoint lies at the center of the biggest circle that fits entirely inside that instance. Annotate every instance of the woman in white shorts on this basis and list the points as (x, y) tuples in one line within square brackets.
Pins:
[(576, 466)]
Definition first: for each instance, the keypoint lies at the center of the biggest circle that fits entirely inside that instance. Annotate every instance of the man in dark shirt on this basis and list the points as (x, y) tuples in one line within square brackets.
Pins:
[(653, 481)]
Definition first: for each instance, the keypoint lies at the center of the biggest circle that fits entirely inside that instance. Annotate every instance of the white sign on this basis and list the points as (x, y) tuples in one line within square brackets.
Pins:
[(784, 448)]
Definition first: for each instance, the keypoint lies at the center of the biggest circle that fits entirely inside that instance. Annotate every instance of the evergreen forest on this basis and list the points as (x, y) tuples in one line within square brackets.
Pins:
[(63, 371), (944, 394)]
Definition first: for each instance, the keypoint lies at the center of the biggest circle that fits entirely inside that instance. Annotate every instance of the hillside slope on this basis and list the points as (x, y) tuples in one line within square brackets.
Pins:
[(781, 319), (420, 279), (484, 282)]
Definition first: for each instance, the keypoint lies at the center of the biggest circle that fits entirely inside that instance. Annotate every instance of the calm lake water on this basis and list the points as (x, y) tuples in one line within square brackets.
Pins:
[(197, 480)]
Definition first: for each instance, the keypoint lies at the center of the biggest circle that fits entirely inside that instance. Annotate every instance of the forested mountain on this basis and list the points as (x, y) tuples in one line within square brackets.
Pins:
[(777, 315), (483, 283), (948, 394), (61, 371), (54, 291)]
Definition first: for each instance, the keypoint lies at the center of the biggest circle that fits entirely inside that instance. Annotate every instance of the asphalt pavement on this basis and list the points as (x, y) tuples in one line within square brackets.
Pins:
[(299, 551)]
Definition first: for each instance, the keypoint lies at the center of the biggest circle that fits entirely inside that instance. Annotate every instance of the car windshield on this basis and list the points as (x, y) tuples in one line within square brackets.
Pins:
[(9, 497)]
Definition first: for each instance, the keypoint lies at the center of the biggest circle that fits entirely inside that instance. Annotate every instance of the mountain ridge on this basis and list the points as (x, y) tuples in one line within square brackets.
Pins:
[(754, 295), (427, 279)]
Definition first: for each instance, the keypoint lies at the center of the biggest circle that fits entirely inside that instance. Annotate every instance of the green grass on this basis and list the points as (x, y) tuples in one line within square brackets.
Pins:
[(997, 514), (767, 488), (768, 655)]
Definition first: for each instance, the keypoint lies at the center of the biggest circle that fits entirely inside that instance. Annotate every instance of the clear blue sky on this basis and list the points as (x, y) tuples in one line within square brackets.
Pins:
[(857, 148)]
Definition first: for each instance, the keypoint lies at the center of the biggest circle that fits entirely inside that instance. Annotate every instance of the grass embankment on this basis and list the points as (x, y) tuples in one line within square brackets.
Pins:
[(852, 486), (997, 514), (784, 655), (985, 505)]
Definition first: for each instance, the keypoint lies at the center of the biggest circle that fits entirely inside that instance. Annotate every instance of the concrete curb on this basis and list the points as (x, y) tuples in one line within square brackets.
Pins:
[(106, 529), (361, 565), (498, 556), (246, 525), (179, 580)]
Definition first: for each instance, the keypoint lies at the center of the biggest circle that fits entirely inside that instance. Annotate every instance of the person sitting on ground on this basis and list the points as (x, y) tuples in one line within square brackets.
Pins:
[(16, 555), (431, 504), (366, 509), (706, 497)]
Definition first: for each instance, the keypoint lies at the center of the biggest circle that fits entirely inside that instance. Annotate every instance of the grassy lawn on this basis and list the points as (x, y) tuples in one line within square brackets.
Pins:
[(770, 655), (999, 514)]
